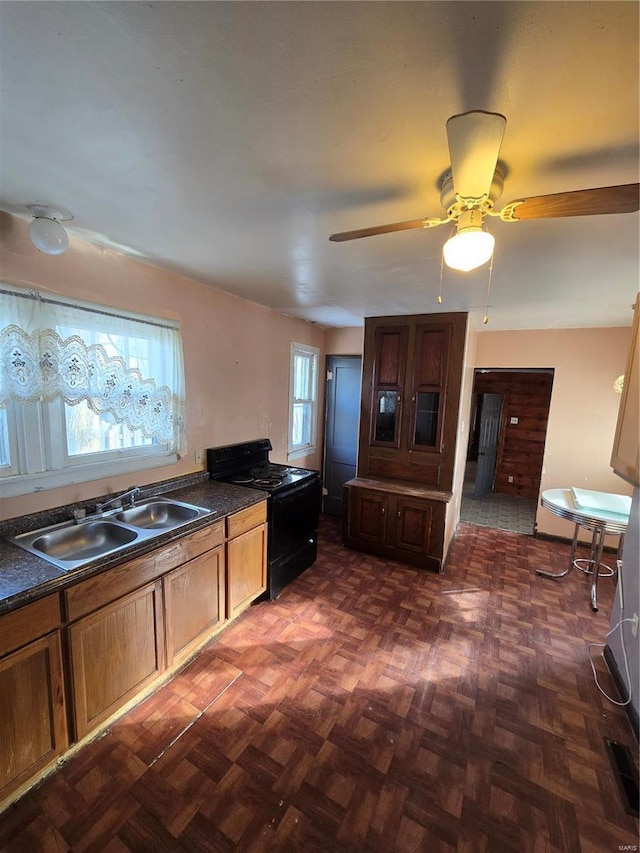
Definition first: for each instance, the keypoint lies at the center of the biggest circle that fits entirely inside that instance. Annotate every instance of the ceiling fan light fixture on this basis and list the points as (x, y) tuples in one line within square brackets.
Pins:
[(471, 246)]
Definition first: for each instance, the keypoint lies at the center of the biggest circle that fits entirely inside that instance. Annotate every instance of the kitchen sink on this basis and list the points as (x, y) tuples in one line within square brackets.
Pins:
[(159, 514), (84, 541), (71, 545)]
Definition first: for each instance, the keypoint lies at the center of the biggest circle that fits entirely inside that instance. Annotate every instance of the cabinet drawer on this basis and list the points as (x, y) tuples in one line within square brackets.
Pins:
[(186, 549), (246, 519), (113, 583), (28, 623)]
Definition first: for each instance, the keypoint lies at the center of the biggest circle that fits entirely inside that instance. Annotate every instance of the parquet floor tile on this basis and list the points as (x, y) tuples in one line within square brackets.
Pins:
[(372, 707)]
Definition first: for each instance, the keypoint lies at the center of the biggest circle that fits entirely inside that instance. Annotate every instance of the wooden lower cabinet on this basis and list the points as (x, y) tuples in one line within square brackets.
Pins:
[(33, 720), (115, 653), (246, 569), (368, 514), (386, 520), (124, 627), (194, 603), (413, 522)]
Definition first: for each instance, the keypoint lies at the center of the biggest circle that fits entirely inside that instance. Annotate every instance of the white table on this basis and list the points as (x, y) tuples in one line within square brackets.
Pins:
[(560, 502)]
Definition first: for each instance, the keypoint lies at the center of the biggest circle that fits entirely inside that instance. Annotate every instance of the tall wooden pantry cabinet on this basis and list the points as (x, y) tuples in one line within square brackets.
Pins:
[(411, 385)]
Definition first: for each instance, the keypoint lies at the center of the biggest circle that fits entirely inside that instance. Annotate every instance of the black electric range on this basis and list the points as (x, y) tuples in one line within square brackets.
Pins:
[(294, 497)]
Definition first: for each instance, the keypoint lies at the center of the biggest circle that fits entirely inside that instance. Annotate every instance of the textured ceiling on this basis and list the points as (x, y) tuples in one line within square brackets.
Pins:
[(226, 141)]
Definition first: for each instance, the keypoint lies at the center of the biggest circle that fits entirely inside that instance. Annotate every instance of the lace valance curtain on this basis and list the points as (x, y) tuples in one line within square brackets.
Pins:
[(128, 366)]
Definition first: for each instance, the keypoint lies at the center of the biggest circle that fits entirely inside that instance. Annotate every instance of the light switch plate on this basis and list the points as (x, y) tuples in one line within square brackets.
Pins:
[(513, 421)]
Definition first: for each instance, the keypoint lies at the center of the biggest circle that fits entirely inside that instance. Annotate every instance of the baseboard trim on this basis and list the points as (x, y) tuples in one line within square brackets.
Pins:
[(631, 712), (550, 537)]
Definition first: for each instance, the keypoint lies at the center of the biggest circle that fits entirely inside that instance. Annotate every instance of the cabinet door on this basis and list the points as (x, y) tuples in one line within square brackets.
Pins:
[(412, 530), (115, 653), (368, 513), (388, 385), (33, 718), (193, 602), (428, 387), (246, 569)]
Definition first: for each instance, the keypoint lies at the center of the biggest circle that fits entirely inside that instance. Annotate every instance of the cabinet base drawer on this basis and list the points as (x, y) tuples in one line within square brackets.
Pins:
[(246, 519)]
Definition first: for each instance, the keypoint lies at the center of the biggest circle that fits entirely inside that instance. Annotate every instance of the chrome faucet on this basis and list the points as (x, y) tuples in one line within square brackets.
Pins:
[(119, 500)]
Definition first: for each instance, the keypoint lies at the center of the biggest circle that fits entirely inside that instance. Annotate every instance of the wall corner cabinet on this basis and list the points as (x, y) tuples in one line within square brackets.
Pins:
[(411, 385), (625, 459), (125, 630)]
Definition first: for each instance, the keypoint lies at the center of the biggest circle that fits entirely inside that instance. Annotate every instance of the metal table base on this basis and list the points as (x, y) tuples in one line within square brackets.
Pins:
[(594, 559), (600, 524)]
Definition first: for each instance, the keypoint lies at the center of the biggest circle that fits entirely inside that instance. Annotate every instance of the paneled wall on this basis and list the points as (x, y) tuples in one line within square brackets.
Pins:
[(527, 397)]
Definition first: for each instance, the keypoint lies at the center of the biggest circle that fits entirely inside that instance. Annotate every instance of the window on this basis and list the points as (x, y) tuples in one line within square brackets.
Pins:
[(303, 395), (84, 390)]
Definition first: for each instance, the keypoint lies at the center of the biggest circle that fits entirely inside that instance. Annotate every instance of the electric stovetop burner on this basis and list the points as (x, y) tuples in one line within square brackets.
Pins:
[(269, 470), (241, 479), (267, 482)]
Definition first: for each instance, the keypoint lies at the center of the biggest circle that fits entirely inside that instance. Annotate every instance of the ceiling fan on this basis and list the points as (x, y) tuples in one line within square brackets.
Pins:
[(474, 182)]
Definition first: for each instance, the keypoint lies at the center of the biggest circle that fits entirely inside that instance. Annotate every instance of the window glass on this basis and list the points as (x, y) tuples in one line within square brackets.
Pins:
[(5, 455), (83, 385), (303, 397)]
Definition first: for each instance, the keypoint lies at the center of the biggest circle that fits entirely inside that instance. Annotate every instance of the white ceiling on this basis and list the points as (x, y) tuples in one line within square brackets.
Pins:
[(227, 140)]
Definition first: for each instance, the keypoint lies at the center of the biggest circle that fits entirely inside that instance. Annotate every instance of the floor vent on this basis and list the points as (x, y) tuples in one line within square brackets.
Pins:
[(626, 774)]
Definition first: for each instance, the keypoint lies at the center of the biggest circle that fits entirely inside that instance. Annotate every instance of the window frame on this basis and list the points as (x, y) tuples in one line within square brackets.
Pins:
[(295, 451), (39, 459)]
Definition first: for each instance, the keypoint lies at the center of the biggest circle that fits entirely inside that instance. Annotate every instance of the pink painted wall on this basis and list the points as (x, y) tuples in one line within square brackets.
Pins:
[(584, 406), (346, 341), (236, 352)]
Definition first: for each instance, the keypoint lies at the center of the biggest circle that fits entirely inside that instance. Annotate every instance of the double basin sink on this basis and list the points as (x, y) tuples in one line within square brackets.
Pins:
[(71, 545)]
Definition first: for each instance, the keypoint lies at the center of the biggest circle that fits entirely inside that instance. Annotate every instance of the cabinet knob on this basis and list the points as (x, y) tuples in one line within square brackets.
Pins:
[(399, 513), (383, 510)]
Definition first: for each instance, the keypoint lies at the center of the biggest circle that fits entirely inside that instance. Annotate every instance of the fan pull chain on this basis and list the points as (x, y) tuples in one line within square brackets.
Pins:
[(485, 319)]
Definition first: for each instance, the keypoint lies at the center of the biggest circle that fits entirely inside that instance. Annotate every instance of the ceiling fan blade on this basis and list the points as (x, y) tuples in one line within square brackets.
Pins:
[(621, 199), (378, 229), (474, 145)]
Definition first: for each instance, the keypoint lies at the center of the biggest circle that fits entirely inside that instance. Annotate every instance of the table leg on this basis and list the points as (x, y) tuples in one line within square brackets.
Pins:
[(574, 544), (597, 547)]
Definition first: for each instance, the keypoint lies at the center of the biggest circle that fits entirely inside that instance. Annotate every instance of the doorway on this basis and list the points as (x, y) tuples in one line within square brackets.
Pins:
[(508, 427), (342, 395)]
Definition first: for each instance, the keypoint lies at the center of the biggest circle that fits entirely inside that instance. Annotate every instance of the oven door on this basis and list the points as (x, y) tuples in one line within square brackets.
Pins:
[(294, 519)]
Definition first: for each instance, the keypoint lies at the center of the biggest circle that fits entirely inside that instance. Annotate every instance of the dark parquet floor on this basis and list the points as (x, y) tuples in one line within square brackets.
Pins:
[(372, 707)]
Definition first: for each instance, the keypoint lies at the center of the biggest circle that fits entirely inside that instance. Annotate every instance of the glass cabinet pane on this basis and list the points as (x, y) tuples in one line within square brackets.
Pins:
[(386, 416), (427, 410)]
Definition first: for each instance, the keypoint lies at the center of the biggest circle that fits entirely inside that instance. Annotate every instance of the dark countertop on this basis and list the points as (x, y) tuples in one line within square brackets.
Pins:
[(25, 577)]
